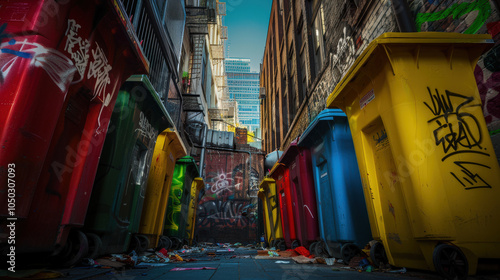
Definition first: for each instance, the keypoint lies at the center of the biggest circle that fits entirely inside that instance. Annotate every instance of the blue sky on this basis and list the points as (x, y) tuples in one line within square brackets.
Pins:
[(247, 22)]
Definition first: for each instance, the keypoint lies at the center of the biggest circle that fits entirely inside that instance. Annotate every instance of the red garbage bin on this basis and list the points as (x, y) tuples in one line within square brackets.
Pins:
[(298, 161), (102, 49), (281, 175)]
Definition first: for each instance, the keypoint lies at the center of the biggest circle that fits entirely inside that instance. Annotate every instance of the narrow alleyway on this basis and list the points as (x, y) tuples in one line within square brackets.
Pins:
[(262, 139)]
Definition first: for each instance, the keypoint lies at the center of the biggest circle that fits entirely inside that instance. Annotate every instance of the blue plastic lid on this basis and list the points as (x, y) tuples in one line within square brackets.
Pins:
[(325, 115)]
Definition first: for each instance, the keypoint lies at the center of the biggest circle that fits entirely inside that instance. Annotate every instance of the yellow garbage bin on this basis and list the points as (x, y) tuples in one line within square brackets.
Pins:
[(269, 196), (168, 148), (430, 175), (197, 185)]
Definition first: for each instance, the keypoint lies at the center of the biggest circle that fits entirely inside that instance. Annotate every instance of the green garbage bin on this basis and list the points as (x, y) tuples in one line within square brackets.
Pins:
[(176, 218), (118, 195), (430, 175)]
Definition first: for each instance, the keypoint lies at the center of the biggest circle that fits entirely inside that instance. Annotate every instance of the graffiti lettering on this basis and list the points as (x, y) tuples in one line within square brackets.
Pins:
[(99, 69), (80, 54), (145, 128), (227, 213), (472, 180), (458, 129), (465, 132), (456, 11)]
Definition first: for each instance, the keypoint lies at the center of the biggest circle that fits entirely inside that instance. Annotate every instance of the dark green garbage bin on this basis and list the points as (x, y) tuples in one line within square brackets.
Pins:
[(116, 203)]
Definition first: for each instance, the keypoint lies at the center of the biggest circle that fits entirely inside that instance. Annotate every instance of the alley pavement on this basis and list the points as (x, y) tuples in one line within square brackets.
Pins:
[(228, 263)]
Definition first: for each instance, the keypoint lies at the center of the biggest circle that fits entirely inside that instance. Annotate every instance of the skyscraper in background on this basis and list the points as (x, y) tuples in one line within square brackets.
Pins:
[(243, 87)]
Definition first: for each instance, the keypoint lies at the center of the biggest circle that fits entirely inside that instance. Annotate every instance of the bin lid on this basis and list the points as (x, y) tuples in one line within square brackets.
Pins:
[(200, 184), (175, 141), (316, 128), (290, 153), (476, 42), (264, 184), (277, 167), (144, 81), (190, 161)]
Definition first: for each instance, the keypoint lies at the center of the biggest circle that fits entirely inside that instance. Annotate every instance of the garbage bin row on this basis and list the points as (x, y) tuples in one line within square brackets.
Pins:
[(409, 168), (88, 150)]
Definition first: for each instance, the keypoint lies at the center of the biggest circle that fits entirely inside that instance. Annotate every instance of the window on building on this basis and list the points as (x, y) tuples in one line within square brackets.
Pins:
[(303, 74), (318, 28)]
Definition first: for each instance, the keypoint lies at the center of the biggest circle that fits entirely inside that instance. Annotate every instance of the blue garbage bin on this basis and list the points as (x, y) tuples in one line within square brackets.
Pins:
[(343, 218)]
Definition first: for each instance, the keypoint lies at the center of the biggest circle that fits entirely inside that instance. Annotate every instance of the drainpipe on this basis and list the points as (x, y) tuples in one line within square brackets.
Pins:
[(403, 15), (203, 150)]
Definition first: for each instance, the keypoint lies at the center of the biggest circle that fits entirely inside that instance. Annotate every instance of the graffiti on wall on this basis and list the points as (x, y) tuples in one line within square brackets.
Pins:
[(458, 132), (345, 53), (457, 12), (470, 17), (228, 209)]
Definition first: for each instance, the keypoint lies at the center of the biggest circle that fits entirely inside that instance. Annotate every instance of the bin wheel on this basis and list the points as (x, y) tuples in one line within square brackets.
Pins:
[(281, 245), (176, 243), (272, 244), (95, 245), (312, 248), (378, 255), (450, 262), (348, 251), (320, 250), (77, 248), (185, 242), (143, 243), (295, 244), (164, 242)]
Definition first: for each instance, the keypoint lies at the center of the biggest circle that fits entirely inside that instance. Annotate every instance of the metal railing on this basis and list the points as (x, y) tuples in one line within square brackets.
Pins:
[(159, 50)]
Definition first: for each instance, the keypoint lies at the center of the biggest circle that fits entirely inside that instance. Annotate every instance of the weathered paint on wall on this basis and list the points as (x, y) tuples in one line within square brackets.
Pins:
[(227, 212)]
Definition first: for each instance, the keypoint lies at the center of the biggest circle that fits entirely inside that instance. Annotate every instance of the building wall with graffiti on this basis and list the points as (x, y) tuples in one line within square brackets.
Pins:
[(228, 208), (348, 28)]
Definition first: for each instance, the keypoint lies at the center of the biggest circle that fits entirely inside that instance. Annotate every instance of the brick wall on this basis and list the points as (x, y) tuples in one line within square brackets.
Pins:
[(350, 28)]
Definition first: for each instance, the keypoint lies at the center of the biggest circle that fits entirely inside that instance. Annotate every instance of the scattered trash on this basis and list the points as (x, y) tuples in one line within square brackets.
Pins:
[(364, 262), (176, 258), (272, 248), (369, 268), (303, 259), (402, 270), (273, 254), (134, 257), (282, 262), (335, 269), (303, 251), (238, 244), (192, 268), (330, 261)]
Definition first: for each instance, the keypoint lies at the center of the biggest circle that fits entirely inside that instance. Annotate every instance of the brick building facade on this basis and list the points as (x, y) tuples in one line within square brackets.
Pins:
[(311, 44)]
